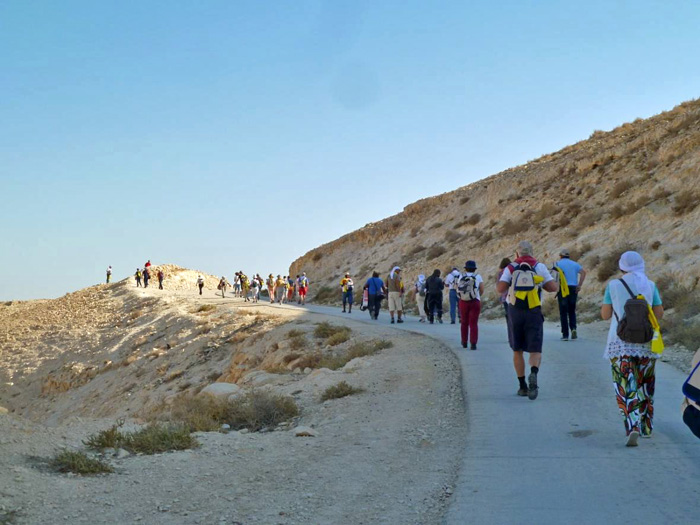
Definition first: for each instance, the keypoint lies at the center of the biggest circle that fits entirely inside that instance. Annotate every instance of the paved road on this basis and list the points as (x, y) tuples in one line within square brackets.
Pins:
[(561, 459)]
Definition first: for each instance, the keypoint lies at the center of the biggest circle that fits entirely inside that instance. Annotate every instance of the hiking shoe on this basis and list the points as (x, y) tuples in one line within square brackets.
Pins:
[(440, 321), (392, 320), (522, 392), (564, 338), (399, 321), (532, 389), (473, 346), (464, 345), (574, 335), (452, 322), (632, 439)]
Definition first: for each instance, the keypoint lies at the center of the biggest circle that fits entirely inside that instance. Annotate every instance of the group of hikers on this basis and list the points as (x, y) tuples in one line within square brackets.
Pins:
[(145, 275), (280, 289), (632, 303)]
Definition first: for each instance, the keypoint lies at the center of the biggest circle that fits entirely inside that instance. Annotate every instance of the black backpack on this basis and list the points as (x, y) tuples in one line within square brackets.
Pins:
[(635, 325)]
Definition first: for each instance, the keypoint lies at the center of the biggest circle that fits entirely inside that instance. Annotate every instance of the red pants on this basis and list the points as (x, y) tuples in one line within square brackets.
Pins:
[(469, 320)]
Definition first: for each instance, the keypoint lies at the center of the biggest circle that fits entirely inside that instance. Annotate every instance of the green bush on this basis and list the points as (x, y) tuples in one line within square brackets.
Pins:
[(78, 463), (342, 389), (151, 439)]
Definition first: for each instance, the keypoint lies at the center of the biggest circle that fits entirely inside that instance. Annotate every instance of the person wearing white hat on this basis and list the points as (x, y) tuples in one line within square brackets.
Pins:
[(395, 288)]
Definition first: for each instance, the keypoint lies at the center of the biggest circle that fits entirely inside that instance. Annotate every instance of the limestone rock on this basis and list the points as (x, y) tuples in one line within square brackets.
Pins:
[(221, 389), (302, 431)]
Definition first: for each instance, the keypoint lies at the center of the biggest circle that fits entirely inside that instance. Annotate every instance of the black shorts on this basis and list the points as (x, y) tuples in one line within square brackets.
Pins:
[(525, 329)]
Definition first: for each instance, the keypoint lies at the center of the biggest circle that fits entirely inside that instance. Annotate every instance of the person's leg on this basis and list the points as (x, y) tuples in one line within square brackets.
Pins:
[(571, 310), (421, 306), (625, 384), (564, 315), (453, 306), (463, 325), (473, 321), (431, 306), (438, 296), (350, 301), (646, 386), (519, 364)]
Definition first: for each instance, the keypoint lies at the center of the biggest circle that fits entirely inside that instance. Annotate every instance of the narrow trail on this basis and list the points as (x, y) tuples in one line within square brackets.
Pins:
[(562, 457)]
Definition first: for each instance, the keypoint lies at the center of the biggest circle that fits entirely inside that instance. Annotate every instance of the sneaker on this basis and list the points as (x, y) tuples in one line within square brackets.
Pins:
[(399, 321), (573, 334), (464, 345), (440, 321), (452, 322), (522, 392), (632, 439), (392, 320), (532, 389), (564, 338), (473, 346)]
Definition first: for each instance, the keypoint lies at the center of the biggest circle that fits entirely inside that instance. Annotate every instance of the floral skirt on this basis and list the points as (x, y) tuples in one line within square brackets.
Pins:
[(634, 380)]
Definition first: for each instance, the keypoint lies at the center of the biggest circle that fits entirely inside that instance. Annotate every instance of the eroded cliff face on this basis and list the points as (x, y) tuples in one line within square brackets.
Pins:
[(633, 187)]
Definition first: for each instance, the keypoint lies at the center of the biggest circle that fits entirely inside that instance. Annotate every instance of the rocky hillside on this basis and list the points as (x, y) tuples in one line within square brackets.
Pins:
[(635, 186)]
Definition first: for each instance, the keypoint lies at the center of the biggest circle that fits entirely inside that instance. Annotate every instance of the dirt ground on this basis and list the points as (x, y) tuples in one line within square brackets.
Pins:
[(387, 455)]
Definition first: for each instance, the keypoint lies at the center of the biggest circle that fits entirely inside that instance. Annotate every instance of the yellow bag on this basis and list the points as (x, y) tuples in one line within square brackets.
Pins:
[(657, 343)]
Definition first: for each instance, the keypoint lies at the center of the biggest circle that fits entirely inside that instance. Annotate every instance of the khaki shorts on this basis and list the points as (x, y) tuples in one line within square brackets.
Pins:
[(395, 302)]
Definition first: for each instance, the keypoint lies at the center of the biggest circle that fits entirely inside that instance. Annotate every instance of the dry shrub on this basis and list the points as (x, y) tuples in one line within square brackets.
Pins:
[(474, 219), (547, 211), (511, 227), (317, 257), (620, 188), (362, 349), (661, 193), (342, 389), (416, 250), (609, 263), (254, 410), (206, 308), (154, 438), (436, 225), (298, 342), (294, 333), (415, 231), (655, 245), (325, 330), (464, 199), (685, 202), (434, 252), (78, 463), (452, 236), (338, 338), (588, 219)]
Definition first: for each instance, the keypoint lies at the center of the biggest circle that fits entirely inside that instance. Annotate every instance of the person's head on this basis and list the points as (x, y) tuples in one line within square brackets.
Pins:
[(436, 273), (303, 274), (504, 262), (375, 274), (524, 248), (631, 262), (564, 253), (470, 266), (297, 276), (347, 274)]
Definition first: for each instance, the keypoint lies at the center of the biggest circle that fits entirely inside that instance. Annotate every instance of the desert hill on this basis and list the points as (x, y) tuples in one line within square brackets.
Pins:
[(633, 187)]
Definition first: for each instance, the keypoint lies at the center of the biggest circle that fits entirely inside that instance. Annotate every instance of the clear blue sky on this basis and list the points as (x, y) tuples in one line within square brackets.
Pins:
[(222, 135)]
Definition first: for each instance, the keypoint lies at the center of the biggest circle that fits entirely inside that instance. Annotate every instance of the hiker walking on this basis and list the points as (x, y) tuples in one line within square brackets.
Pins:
[(303, 288), (290, 288), (503, 297), (571, 276), (223, 284), (137, 276), (280, 289), (296, 288), (147, 265), (146, 277), (255, 290), (470, 287), (109, 274), (395, 288), (346, 289), (451, 284), (691, 407), (375, 291), (434, 286), (633, 363), (420, 288), (271, 287), (523, 279), (200, 284), (160, 276), (237, 284), (245, 287)]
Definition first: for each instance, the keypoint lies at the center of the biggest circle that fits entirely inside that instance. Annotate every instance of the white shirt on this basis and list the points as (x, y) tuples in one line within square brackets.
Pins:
[(540, 269), (452, 279), (478, 280)]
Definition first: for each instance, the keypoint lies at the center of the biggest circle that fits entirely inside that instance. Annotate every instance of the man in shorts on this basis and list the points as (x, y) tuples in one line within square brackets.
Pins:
[(303, 288), (395, 287), (525, 320)]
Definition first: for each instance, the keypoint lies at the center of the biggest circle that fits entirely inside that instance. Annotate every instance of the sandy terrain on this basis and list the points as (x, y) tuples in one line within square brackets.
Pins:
[(387, 455)]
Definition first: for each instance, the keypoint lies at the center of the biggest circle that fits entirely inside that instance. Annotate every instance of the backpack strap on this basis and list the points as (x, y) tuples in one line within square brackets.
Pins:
[(627, 288)]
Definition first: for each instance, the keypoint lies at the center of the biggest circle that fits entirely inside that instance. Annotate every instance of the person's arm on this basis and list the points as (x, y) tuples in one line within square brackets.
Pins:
[(481, 288), (502, 287), (551, 286), (658, 311), (606, 312), (582, 277)]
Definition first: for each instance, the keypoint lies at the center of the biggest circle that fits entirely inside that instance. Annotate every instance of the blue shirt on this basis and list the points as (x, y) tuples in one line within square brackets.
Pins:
[(571, 270), (374, 285)]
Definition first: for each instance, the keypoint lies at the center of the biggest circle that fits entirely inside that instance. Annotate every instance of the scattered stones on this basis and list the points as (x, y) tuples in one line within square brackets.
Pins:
[(302, 431)]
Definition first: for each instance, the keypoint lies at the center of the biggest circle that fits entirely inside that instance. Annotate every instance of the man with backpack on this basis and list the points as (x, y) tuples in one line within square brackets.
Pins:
[(375, 291), (451, 282), (146, 277), (433, 291), (470, 286), (571, 277), (524, 280), (160, 276), (303, 288), (137, 276)]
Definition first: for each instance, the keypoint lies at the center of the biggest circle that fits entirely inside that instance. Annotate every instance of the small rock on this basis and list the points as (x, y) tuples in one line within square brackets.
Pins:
[(226, 427), (221, 389), (243, 431), (307, 370), (297, 370), (304, 432), (121, 453)]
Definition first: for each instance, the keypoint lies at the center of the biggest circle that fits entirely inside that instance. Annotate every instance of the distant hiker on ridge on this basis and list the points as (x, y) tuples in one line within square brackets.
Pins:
[(146, 277), (523, 279), (137, 276), (571, 276), (395, 287), (200, 284), (160, 276), (109, 274)]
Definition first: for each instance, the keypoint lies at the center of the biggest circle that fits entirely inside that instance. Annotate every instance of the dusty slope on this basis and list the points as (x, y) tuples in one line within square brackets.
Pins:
[(635, 185), (387, 454)]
